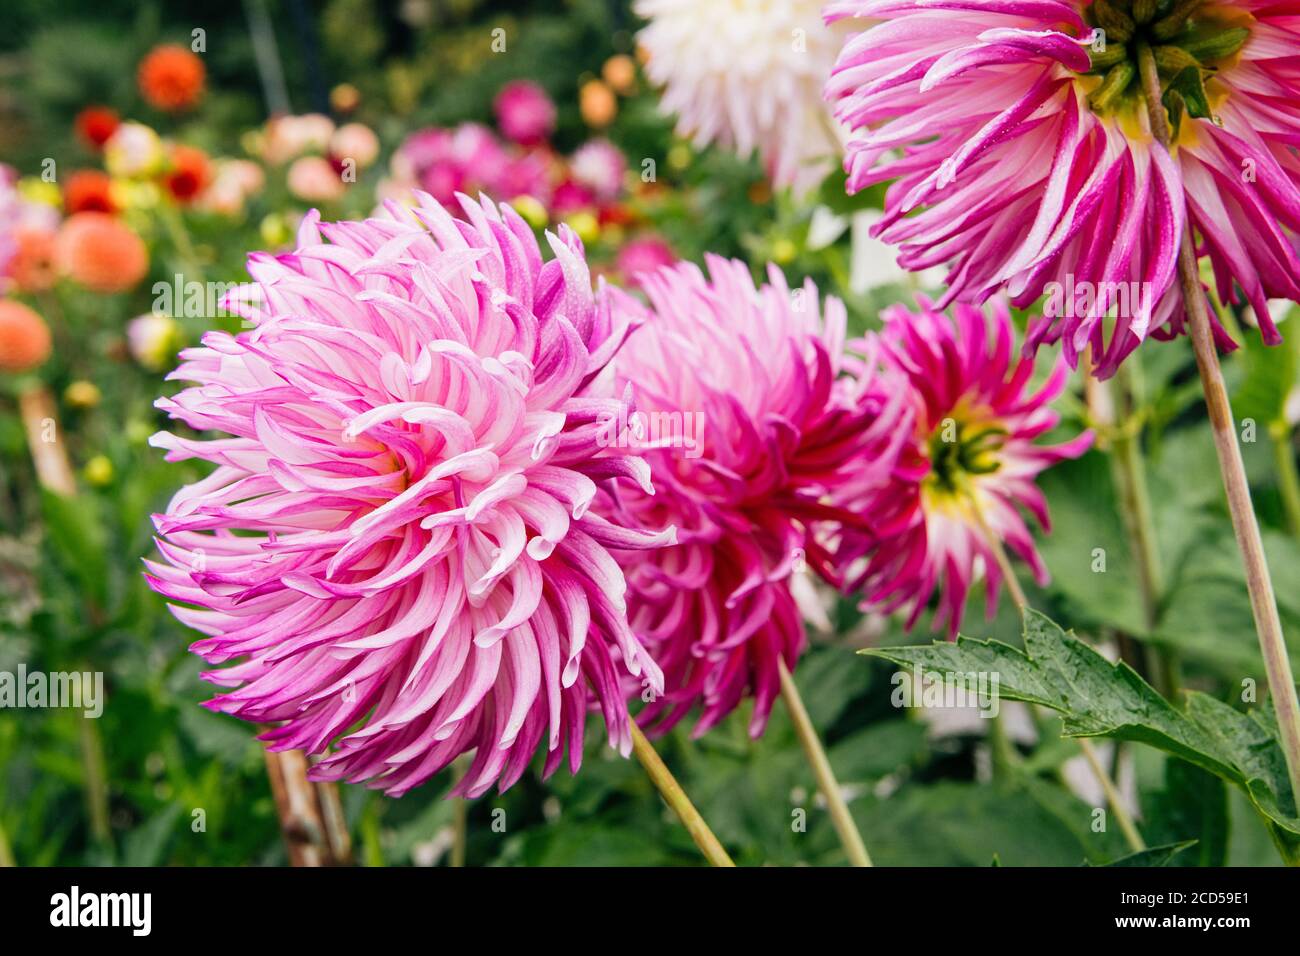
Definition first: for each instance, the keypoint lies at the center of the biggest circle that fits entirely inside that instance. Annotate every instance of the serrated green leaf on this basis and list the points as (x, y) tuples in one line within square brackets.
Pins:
[(1096, 698), (1152, 856)]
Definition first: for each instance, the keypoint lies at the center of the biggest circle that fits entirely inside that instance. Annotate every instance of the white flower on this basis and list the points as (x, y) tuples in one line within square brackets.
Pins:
[(748, 75)]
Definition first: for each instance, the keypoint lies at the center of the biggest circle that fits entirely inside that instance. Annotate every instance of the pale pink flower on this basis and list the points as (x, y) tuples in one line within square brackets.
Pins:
[(314, 179), (397, 550), (1022, 158), (356, 142), (599, 166), (288, 137)]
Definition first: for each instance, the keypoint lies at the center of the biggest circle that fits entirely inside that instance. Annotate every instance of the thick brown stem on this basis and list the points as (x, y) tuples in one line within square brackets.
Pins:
[(1259, 583), (311, 817)]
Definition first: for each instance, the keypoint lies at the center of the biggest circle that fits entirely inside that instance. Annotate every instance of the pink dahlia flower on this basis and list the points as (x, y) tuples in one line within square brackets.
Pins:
[(1023, 156), (395, 550), (467, 159), (525, 113), (599, 166), (751, 416), (967, 469), (643, 255)]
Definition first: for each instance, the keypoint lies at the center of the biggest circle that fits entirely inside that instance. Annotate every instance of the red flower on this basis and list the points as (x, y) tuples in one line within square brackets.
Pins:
[(171, 78), (190, 173), (95, 124), (89, 190)]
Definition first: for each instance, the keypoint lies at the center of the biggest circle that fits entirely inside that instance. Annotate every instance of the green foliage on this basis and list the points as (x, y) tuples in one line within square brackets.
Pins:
[(1096, 698)]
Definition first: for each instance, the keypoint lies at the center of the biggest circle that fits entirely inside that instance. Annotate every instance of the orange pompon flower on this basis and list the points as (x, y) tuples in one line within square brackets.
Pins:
[(189, 174), (100, 252), (24, 338), (95, 124), (32, 265), (89, 190), (171, 78)]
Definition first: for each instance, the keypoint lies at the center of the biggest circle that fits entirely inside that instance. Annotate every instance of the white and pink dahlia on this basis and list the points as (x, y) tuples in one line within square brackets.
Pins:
[(968, 468), (747, 75), (1021, 150), (751, 417), (396, 550)]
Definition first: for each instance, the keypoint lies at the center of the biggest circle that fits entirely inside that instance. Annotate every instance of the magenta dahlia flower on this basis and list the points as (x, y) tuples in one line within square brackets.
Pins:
[(1023, 158), (751, 417), (395, 550), (467, 159), (968, 467), (524, 112)]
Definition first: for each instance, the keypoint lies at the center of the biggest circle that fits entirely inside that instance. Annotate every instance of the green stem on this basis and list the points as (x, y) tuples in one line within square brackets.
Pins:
[(1107, 785), (676, 798), (1130, 474), (849, 836), (1004, 753), (372, 849), (1126, 825), (180, 237), (460, 817), (1259, 581), (94, 780), (6, 851)]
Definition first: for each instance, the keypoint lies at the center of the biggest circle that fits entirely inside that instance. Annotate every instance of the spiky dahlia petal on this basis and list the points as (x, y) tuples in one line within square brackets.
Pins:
[(970, 461), (752, 419), (1014, 167), (395, 553)]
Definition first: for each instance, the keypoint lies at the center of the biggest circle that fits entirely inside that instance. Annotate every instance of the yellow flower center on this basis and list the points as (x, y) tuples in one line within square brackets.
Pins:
[(963, 447)]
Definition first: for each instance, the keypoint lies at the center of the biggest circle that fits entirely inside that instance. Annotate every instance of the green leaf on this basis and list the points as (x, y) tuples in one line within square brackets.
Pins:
[(1269, 373), (1192, 804), (950, 823), (1096, 698), (1152, 856), (147, 844), (834, 195), (76, 532)]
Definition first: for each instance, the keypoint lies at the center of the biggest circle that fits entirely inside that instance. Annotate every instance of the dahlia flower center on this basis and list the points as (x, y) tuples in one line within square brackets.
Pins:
[(1191, 40), (959, 450)]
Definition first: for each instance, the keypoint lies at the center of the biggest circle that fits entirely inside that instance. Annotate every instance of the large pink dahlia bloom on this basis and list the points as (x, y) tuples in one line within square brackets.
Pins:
[(396, 547), (751, 416), (1024, 159), (967, 470)]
